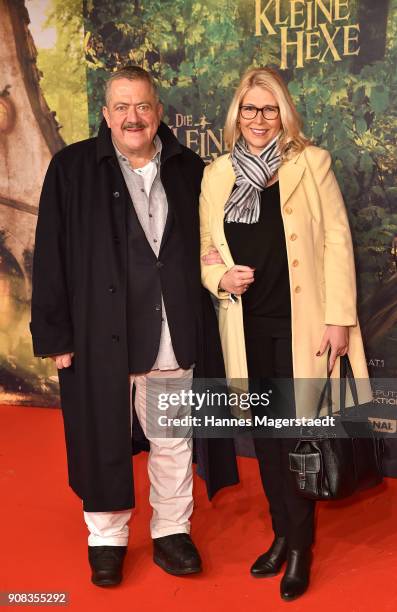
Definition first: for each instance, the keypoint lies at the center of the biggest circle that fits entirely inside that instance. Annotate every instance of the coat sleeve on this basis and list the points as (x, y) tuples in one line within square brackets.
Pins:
[(51, 325), (210, 274), (339, 268)]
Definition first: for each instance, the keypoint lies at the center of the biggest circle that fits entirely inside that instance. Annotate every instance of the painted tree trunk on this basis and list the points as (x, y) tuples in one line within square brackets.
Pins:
[(28, 134)]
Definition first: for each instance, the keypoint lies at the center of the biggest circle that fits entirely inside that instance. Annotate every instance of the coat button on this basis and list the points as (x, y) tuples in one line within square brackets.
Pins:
[(298, 289), (116, 240), (293, 237), (295, 263), (159, 264), (112, 289), (115, 338), (157, 307), (116, 194), (288, 210)]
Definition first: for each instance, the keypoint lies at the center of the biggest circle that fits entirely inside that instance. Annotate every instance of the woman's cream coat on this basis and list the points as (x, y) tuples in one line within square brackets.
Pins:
[(321, 271)]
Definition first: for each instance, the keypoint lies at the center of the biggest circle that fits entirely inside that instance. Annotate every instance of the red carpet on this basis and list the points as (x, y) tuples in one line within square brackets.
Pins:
[(44, 539)]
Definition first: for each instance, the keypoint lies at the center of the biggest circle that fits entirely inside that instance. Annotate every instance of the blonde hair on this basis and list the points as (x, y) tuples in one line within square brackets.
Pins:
[(292, 139)]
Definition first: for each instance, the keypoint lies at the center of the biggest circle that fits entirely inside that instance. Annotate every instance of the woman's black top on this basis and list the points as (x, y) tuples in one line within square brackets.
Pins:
[(267, 302)]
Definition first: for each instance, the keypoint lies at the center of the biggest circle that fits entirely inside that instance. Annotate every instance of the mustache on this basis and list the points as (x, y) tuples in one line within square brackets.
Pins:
[(129, 125)]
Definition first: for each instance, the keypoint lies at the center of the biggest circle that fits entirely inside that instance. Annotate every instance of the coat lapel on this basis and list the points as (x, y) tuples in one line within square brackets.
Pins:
[(225, 185), (220, 196), (290, 175)]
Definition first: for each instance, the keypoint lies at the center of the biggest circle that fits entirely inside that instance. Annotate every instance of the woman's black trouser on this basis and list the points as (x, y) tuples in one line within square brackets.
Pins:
[(270, 358)]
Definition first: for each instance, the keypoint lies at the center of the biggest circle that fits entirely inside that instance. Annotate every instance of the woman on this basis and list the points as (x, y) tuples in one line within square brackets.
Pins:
[(277, 253)]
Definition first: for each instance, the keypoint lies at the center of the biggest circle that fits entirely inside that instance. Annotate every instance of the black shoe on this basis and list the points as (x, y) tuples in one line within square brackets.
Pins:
[(296, 578), (270, 563), (106, 563), (176, 554)]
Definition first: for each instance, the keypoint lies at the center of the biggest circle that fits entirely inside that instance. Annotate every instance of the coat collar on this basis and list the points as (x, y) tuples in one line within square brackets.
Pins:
[(290, 174), (105, 148)]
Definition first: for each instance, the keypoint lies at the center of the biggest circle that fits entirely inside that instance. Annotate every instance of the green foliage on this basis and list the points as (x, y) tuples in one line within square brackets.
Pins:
[(63, 68)]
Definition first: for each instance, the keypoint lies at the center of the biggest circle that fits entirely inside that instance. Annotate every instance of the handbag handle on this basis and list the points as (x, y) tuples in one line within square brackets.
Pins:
[(346, 374)]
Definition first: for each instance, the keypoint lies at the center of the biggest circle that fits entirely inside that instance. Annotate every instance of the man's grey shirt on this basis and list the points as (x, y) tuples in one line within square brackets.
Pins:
[(150, 203)]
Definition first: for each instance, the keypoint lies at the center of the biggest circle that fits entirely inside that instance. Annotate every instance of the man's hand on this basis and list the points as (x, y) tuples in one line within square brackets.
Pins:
[(337, 337), (212, 257), (63, 361), (237, 279)]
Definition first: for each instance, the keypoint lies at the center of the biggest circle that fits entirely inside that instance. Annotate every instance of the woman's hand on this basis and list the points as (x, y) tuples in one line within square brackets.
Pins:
[(212, 257), (337, 337), (237, 279)]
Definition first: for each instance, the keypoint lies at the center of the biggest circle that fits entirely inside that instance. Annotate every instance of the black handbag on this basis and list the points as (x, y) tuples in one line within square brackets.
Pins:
[(335, 464)]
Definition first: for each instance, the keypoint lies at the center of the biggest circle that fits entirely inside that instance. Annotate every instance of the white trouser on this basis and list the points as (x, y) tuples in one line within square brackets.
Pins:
[(169, 464)]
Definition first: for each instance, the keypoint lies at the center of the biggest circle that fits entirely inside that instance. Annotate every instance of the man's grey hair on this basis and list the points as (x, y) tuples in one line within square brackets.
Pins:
[(132, 73)]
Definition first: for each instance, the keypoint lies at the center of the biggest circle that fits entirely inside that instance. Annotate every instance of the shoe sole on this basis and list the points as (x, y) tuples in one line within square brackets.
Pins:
[(105, 583), (182, 572), (264, 575), (291, 598), (284, 598)]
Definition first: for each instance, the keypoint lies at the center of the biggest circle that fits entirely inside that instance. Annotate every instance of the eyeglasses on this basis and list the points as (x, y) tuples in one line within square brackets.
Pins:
[(247, 111)]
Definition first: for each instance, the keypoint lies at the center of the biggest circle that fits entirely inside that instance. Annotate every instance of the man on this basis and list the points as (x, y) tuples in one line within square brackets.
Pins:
[(117, 303)]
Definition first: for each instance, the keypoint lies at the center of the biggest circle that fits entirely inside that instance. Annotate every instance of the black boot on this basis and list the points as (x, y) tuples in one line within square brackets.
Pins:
[(106, 564), (270, 563), (296, 578), (176, 554)]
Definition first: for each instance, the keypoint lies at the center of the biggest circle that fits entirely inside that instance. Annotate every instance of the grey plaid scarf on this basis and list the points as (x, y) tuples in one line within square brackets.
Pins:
[(253, 172)]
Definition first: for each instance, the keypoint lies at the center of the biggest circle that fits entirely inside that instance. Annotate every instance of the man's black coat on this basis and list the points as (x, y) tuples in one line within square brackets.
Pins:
[(80, 257)]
